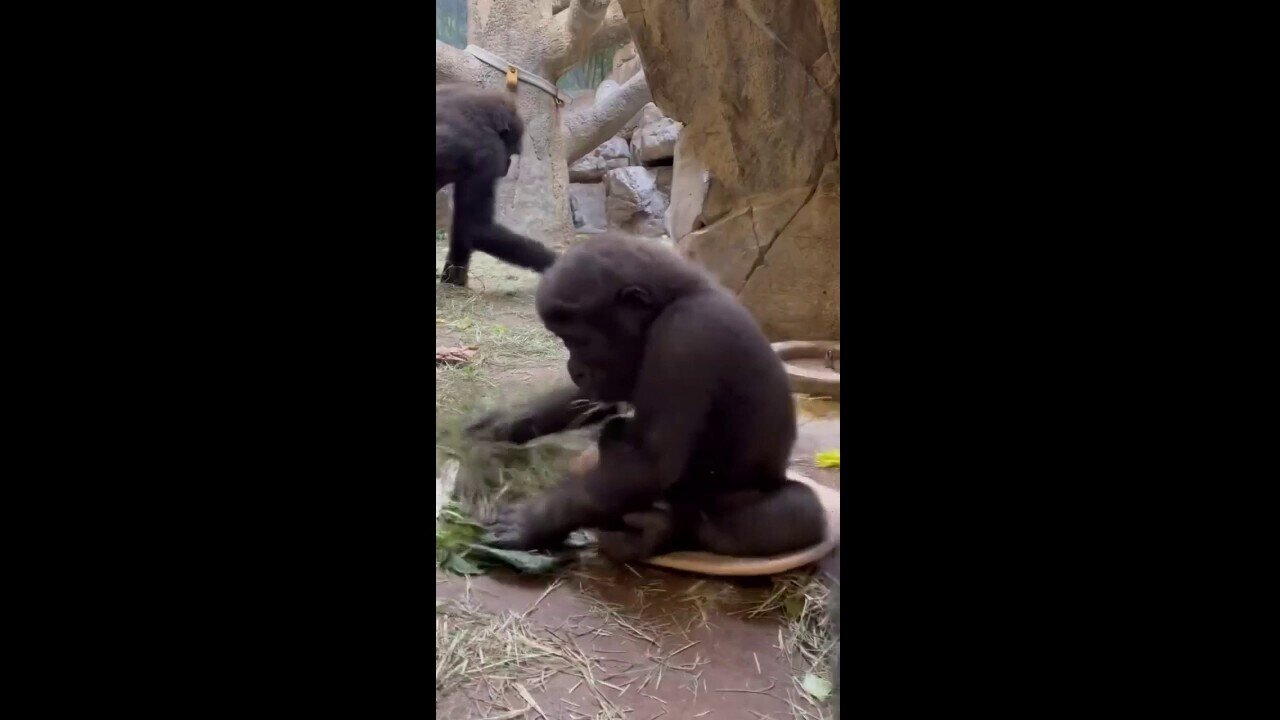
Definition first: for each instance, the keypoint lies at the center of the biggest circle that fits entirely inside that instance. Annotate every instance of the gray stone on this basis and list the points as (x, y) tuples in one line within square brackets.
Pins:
[(662, 178), (655, 142), (648, 115), (633, 203), (587, 201), (614, 153)]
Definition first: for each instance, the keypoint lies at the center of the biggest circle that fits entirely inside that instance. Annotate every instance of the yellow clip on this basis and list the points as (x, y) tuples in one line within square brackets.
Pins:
[(513, 76)]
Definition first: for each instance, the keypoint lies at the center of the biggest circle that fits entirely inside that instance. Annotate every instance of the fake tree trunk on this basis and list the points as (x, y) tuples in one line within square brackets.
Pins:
[(547, 38)]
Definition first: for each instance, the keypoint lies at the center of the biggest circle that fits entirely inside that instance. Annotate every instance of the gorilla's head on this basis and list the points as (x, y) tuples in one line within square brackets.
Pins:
[(511, 134), (600, 298), (486, 108), (505, 120)]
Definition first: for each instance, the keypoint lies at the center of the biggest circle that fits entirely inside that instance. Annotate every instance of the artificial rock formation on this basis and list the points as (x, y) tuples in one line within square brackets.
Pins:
[(587, 200), (614, 153), (755, 192), (630, 174), (633, 202), (655, 142)]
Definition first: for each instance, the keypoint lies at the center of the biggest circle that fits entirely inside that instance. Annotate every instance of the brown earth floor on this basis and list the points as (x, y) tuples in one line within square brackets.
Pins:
[(728, 665)]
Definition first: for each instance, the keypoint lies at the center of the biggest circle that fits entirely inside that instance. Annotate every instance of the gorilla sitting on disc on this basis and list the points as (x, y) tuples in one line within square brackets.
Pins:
[(701, 464)]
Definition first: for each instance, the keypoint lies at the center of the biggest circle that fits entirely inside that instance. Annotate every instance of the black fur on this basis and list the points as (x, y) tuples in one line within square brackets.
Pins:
[(477, 133), (702, 463)]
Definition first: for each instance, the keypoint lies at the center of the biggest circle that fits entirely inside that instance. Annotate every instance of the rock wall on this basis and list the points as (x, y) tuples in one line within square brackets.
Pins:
[(755, 189)]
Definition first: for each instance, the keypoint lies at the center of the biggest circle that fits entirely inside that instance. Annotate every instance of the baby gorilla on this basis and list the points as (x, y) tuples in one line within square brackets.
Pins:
[(702, 464)]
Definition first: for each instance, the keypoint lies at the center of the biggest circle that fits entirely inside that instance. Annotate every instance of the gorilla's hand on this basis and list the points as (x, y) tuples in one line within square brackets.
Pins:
[(552, 412), (500, 426), (523, 527), (646, 534)]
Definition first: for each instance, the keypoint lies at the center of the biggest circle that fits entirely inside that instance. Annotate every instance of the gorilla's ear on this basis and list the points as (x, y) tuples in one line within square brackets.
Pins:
[(501, 119), (635, 296)]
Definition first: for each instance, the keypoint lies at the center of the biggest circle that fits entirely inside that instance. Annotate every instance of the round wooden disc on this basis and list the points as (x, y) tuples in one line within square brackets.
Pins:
[(819, 381), (711, 564)]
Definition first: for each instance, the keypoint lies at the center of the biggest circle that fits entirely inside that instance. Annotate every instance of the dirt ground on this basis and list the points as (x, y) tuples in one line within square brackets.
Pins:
[(594, 640)]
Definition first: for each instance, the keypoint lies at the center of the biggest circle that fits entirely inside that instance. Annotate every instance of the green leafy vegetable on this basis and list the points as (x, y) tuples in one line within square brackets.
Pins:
[(818, 687), (460, 548), (462, 566), (526, 562)]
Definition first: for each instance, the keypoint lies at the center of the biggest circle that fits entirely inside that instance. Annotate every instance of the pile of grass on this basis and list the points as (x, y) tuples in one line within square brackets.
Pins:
[(496, 660), (800, 600), (493, 660)]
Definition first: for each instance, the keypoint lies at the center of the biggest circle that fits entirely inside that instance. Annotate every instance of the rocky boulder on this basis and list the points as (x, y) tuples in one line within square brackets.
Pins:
[(662, 176), (614, 153), (587, 202), (648, 115), (655, 142), (633, 202)]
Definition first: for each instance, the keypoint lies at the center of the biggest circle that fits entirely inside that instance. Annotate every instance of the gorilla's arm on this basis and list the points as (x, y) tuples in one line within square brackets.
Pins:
[(557, 411), (673, 395)]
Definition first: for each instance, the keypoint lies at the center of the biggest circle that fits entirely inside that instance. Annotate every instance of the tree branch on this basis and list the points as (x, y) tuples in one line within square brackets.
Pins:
[(588, 128), (614, 31), (573, 29), (454, 65)]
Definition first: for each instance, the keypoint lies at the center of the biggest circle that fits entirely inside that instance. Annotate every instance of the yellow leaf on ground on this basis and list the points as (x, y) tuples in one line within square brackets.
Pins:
[(828, 459)]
